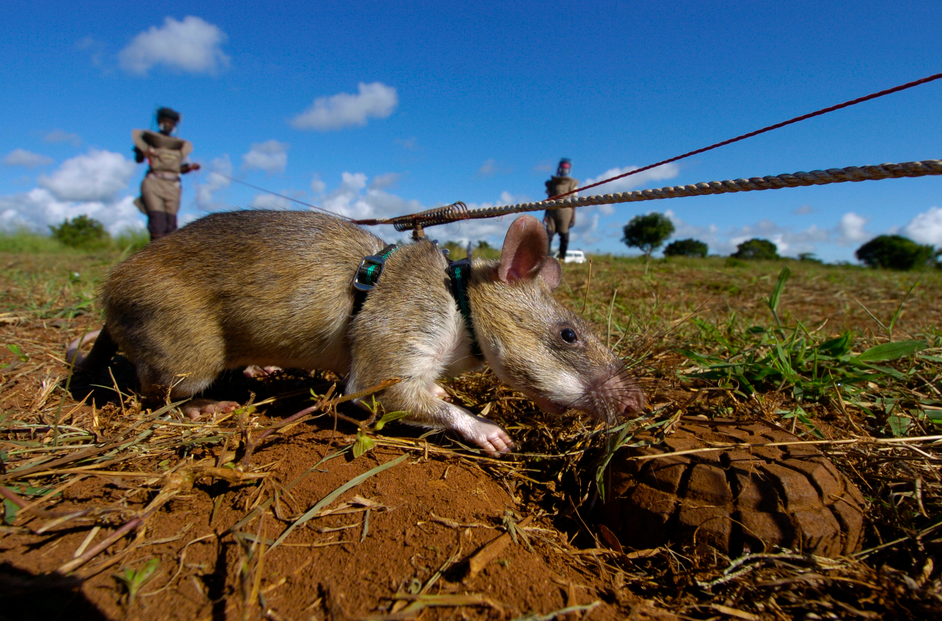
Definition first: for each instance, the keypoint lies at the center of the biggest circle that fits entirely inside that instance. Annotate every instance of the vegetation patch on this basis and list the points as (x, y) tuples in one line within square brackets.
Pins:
[(301, 505)]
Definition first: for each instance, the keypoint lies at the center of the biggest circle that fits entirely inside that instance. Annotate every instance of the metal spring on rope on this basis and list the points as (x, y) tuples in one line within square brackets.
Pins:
[(431, 217)]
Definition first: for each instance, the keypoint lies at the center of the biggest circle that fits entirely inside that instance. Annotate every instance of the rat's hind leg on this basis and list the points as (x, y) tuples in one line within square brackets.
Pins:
[(186, 379)]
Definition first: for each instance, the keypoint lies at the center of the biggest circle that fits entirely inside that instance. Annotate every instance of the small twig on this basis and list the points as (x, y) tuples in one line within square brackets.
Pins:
[(104, 544), (321, 405), (15, 499), (490, 551)]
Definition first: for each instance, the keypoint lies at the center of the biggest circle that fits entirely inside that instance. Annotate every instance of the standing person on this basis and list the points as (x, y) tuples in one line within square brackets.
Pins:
[(559, 220), (167, 156)]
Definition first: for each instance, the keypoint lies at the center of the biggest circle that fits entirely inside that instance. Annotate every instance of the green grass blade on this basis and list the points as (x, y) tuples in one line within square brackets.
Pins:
[(891, 351), (777, 293)]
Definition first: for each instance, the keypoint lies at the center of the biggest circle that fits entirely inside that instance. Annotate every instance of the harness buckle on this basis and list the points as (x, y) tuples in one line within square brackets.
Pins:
[(368, 272)]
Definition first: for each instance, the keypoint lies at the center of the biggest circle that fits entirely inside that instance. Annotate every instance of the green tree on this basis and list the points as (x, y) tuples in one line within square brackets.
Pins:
[(81, 232), (648, 232), (894, 252), (756, 249), (686, 248)]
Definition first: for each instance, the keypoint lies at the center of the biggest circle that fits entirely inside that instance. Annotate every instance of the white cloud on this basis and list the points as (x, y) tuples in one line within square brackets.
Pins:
[(925, 228), (191, 45), (489, 168), (606, 209), (850, 230), (667, 171), (387, 180), (39, 208), (58, 135), (410, 144), (317, 185), (94, 48), (804, 210), (95, 176), (374, 100), (270, 156), (586, 232), (215, 181), (27, 159), (506, 198), (353, 181), (357, 199)]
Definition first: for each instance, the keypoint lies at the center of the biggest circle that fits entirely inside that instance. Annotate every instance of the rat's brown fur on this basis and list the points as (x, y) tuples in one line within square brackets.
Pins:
[(275, 288)]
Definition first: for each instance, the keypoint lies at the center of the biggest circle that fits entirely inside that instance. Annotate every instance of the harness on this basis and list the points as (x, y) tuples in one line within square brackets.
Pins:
[(459, 275)]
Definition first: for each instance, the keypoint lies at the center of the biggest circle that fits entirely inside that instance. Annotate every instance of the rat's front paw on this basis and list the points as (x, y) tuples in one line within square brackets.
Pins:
[(253, 371), (491, 438)]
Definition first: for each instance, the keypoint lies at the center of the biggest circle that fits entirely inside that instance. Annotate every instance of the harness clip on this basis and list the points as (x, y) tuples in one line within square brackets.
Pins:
[(368, 273)]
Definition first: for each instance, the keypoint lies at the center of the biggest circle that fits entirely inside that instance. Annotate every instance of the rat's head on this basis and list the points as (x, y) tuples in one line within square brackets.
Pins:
[(535, 344)]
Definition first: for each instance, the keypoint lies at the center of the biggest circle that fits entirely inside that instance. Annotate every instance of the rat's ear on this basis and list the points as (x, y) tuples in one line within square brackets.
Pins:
[(524, 254)]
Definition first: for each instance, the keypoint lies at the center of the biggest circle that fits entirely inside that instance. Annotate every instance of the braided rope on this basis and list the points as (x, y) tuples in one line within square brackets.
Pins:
[(458, 211)]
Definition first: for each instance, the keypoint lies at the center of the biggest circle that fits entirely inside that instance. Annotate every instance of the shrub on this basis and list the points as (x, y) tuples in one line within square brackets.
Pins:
[(648, 232), (686, 248), (756, 249), (894, 252), (81, 232)]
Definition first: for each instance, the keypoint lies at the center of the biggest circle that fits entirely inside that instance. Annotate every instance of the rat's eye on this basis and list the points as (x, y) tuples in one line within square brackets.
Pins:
[(569, 335)]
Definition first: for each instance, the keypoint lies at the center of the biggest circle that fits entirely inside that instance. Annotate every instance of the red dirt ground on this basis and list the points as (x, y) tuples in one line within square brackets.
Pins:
[(441, 534)]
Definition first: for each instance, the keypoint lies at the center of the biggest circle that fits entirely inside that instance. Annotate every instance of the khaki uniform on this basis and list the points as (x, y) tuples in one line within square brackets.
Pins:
[(559, 220), (160, 190)]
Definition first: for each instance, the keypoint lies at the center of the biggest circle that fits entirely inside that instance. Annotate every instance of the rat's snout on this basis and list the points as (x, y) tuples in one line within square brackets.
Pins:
[(611, 395)]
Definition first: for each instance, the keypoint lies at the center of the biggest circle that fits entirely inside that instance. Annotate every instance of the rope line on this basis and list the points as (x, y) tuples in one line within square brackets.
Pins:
[(287, 198), (797, 119), (459, 211)]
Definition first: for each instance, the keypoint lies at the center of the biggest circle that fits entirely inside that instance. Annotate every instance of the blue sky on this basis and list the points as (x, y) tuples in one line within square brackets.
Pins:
[(370, 109)]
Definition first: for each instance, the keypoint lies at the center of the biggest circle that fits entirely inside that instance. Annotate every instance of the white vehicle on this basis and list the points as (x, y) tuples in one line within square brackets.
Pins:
[(574, 256)]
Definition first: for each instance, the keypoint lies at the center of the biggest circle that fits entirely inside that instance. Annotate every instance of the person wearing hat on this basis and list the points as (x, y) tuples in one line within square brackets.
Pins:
[(167, 156), (559, 220)]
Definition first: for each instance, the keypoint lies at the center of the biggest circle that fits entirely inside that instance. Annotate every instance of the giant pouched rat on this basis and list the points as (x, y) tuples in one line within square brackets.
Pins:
[(276, 288)]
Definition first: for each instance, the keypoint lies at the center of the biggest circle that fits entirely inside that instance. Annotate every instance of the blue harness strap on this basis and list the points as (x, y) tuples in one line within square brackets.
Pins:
[(459, 275)]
